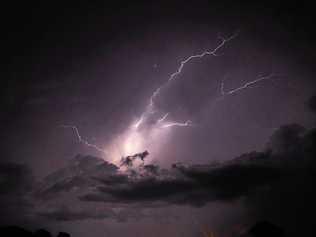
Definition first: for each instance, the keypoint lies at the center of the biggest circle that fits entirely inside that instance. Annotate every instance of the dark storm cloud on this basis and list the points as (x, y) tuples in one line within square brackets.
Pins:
[(287, 140), (194, 185), (290, 202)]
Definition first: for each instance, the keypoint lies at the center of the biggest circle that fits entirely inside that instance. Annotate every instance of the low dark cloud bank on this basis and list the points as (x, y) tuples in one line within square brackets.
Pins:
[(275, 184), (194, 185)]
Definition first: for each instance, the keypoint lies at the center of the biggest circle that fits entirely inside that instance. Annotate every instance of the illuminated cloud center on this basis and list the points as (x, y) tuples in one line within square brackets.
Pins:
[(137, 139)]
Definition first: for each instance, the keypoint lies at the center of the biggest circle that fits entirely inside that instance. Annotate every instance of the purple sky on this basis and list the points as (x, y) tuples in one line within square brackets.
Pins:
[(96, 67)]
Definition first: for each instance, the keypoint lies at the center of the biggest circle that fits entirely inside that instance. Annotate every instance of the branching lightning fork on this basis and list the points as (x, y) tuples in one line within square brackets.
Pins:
[(150, 107), (174, 75), (161, 122)]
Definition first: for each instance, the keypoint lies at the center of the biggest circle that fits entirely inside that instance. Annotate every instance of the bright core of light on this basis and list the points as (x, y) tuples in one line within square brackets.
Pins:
[(137, 139)]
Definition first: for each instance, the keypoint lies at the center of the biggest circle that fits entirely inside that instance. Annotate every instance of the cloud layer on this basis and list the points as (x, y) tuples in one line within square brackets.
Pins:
[(272, 184)]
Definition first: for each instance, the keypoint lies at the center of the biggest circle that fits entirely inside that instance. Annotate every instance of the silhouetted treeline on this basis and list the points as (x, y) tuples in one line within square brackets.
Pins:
[(12, 231)]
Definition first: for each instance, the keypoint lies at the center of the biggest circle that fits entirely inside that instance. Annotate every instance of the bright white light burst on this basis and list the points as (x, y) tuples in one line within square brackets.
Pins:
[(138, 139)]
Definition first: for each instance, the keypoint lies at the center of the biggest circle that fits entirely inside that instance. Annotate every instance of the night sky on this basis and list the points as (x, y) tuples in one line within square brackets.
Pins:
[(221, 95)]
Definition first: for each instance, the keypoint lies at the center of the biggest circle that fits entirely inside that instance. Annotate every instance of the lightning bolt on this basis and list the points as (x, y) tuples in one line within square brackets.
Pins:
[(171, 124), (177, 124), (174, 75), (83, 141), (244, 86), (150, 108)]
